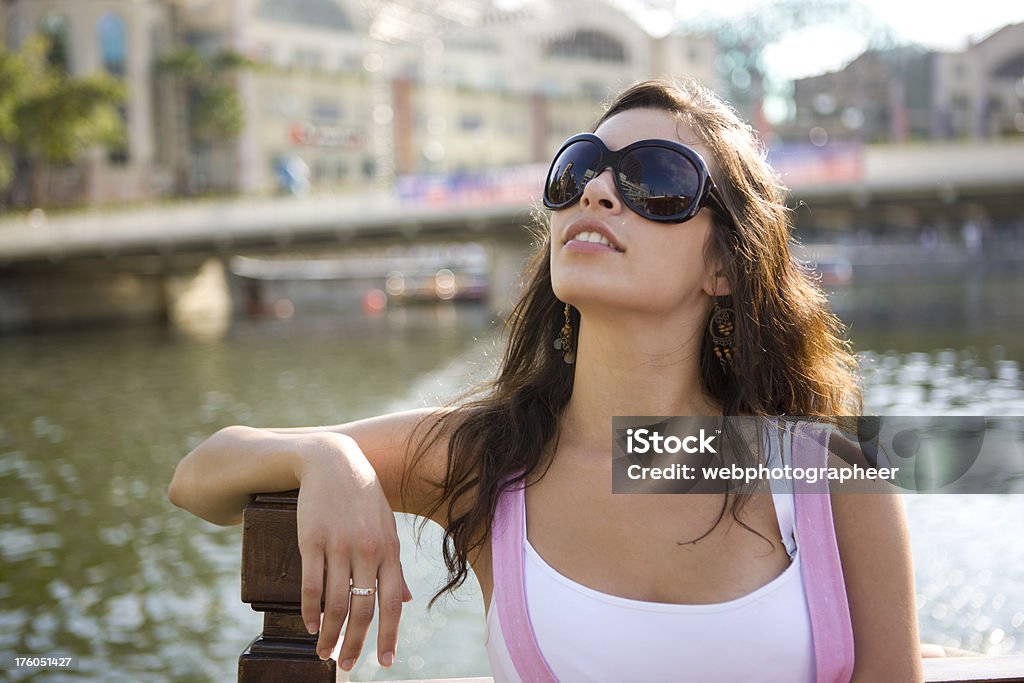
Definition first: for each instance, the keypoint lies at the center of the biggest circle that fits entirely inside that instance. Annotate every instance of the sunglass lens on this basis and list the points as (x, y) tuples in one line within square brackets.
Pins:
[(659, 182), (571, 171)]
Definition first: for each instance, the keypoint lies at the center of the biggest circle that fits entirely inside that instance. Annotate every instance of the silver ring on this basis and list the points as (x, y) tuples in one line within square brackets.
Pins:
[(355, 590)]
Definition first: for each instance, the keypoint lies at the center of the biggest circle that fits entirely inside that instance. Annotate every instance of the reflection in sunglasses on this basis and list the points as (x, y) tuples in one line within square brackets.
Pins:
[(567, 186), (667, 205), (635, 191)]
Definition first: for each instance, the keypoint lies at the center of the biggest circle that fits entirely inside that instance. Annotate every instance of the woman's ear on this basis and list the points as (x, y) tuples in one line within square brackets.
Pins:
[(717, 283)]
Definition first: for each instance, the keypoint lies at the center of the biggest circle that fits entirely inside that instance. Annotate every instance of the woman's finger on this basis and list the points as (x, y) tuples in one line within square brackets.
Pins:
[(390, 596), (335, 604), (361, 607), (312, 587)]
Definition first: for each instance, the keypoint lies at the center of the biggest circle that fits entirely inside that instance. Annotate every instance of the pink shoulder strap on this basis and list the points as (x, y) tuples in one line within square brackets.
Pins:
[(821, 569), (508, 550)]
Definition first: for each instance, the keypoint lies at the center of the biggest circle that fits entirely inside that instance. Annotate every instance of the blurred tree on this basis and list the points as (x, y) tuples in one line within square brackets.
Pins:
[(48, 117), (13, 84), (210, 98)]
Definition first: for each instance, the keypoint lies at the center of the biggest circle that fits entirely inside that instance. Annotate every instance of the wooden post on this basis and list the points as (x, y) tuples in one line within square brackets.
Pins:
[(272, 583)]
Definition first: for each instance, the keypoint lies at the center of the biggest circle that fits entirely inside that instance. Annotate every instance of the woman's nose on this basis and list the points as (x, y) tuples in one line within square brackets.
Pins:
[(600, 192)]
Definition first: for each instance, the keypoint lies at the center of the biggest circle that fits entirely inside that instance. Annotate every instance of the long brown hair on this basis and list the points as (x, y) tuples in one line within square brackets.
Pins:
[(790, 356)]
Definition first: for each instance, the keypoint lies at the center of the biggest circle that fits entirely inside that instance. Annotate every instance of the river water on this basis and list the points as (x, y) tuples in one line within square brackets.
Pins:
[(98, 564)]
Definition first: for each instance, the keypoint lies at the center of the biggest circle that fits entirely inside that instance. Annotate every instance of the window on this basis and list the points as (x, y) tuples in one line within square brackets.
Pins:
[(110, 33), (324, 111), (55, 27), (118, 155), (1011, 68), (15, 30), (160, 100), (322, 14), (471, 122), (304, 58), (586, 44)]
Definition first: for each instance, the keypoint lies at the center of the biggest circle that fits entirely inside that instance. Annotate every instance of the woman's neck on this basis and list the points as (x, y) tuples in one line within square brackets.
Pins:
[(643, 367)]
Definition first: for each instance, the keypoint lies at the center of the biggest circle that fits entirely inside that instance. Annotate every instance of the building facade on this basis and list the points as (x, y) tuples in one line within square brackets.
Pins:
[(880, 96), (979, 92), (367, 98), (908, 93), (347, 93)]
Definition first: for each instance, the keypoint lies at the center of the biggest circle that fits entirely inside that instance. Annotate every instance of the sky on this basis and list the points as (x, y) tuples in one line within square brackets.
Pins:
[(940, 26)]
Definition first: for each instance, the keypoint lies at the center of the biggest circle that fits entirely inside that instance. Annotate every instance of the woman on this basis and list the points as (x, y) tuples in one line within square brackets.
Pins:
[(662, 293)]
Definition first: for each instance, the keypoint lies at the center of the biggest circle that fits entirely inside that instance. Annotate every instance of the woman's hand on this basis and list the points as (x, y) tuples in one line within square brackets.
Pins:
[(347, 537), (346, 527)]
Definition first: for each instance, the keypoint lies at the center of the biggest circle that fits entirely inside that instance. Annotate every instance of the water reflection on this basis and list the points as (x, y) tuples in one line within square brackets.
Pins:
[(977, 313), (97, 563), (943, 382), (969, 592)]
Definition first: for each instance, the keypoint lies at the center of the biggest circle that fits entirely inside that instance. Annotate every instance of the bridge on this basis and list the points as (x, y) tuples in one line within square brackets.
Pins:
[(154, 260)]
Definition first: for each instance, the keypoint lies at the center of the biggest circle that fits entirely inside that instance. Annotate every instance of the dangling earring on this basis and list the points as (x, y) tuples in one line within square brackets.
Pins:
[(722, 329), (563, 342)]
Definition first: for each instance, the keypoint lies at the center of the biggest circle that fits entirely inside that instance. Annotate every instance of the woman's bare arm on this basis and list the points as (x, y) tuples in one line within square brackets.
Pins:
[(350, 480), (874, 546), (217, 479)]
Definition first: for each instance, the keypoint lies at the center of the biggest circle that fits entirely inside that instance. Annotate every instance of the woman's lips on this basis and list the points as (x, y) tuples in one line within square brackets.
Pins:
[(592, 231), (590, 247)]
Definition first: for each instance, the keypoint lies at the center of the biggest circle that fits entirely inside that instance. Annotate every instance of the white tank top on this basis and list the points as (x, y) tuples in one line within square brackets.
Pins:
[(587, 636)]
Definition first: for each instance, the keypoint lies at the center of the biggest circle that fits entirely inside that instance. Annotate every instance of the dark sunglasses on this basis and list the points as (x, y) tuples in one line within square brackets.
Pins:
[(661, 180)]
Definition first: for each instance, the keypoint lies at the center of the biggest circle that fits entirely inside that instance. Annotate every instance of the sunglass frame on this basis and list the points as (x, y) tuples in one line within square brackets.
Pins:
[(707, 193)]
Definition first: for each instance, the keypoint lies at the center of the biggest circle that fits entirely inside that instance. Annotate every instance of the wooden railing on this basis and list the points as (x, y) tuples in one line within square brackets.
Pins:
[(271, 583), (285, 653)]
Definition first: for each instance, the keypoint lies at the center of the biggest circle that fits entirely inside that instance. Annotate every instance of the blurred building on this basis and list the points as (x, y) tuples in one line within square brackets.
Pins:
[(352, 92), (880, 96), (124, 38), (362, 96), (908, 93), (980, 92)]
